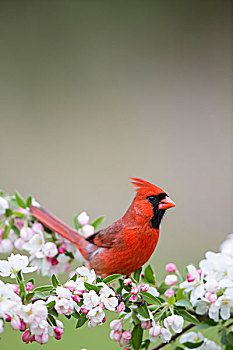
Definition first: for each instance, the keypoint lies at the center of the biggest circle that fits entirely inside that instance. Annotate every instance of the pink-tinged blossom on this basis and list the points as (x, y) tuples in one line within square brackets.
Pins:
[(169, 292), (18, 223), (26, 233), (190, 278), (121, 307), (133, 299), (115, 335), (76, 298), (84, 310), (83, 218), (1, 326), (146, 324), (50, 249), (116, 325), (37, 228), (144, 287), (6, 245), (26, 336), (135, 290), (42, 338), (127, 281), (170, 280), (15, 323), (171, 267), (19, 242), (154, 333), (196, 287)]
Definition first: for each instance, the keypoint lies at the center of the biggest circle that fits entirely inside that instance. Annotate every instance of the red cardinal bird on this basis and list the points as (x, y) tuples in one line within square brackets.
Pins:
[(125, 245)]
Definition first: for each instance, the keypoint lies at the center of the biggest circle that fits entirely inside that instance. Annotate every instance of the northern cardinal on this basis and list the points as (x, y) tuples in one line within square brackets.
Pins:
[(128, 243)]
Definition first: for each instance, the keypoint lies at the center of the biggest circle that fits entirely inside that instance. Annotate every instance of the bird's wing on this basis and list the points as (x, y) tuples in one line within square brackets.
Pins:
[(106, 238)]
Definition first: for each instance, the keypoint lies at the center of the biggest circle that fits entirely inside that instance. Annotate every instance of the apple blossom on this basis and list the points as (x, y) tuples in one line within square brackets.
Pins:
[(3, 205), (171, 267), (15, 264), (170, 280), (169, 292), (88, 230), (83, 218), (175, 322)]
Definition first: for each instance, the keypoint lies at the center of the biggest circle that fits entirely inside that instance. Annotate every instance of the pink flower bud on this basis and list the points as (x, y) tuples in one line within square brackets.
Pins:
[(26, 336), (155, 331), (123, 341), (22, 326), (121, 307), (15, 323), (126, 335), (133, 299), (62, 248), (76, 298), (171, 267), (135, 290), (211, 297), (169, 292), (199, 272), (29, 286), (190, 278), (104, 320), (144, 287), (1, 232), (116, 325), (58, 333), (8, 318), (127, 281), (146, 324), (15, 288), (170, 280)]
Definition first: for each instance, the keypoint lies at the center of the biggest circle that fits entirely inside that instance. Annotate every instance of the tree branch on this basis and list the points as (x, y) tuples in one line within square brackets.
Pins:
[(187, 328)]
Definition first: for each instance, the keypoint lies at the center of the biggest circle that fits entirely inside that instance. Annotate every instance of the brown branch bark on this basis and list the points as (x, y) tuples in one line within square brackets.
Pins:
[(186, 328)]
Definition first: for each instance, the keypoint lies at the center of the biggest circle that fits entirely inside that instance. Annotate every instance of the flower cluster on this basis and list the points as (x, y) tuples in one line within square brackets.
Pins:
[(49, 252), (147, 310), (211, 287)]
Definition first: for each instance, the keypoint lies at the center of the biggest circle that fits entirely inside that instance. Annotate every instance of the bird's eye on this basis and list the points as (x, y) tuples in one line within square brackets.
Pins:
[(151, 198)]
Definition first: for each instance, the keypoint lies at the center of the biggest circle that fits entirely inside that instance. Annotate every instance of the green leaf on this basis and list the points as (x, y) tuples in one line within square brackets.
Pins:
[(91, 287), (51, 304), (146, 344), (149, 274), (40, 295), (191, 345), (206, 324), (52, 319), (20, 200), (137, 337), (16, 230), (180, 294), (6, 231), (44, 289), (97, 222), (17, 214), (151, 299), (112, 278), (230, 337), (162, 288), (137, 274), (171, 300), (76, 315), (8, 212), (229, 347), (55, 281), (29, 202), (74, 277), (81, 321), (30, 296), (77, 226), (184, 303), (53, 312), (187, 316), (143, 311), (158, 315)]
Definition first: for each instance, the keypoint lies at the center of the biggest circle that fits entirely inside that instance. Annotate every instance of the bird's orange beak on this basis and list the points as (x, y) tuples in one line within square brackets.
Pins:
[(166, 203)]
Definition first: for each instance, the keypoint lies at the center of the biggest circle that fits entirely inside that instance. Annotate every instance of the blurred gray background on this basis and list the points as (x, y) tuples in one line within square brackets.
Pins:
[(93, 92)]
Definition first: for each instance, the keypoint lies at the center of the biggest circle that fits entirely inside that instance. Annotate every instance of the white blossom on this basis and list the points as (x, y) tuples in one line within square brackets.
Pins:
[(90, 299), (3, 205), (15, 264)]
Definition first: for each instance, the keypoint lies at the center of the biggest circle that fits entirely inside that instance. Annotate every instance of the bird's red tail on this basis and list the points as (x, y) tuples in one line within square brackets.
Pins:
[(58, 226)]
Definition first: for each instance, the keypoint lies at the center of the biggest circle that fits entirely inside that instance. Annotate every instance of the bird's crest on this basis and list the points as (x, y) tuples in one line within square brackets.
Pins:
[(145, 188)]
